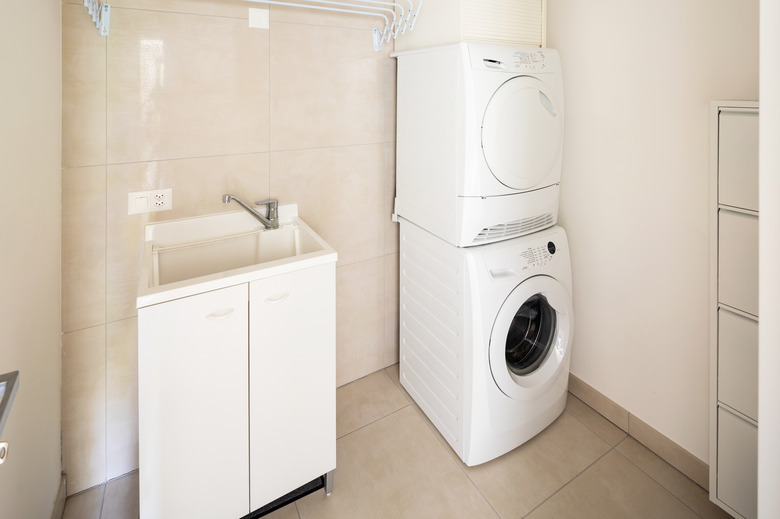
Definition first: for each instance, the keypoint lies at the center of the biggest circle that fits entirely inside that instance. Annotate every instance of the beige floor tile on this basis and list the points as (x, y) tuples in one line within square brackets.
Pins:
[(85, 505), (670, 478), (605, 429), (366, 400), (395, 374), (613, 488), (121, 499), (182, 85), (359, 320), (286, 512), (394, 468), (520, 480)]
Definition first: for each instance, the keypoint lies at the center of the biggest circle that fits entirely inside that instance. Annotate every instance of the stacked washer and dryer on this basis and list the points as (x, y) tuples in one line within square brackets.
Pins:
[(485, 277)]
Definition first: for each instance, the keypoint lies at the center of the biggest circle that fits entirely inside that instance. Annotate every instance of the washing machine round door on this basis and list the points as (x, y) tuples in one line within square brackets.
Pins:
[(529, 343), (522, 132)]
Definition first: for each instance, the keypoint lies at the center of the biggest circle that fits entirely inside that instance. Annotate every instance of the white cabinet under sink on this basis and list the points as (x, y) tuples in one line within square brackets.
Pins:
[(237, 386)]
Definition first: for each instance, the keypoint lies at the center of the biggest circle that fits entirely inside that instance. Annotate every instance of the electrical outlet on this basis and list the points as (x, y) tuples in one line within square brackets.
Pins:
[(150, 201)]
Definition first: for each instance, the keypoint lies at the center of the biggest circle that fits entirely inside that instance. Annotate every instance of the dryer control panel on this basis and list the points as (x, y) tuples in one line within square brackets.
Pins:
[(513, 59)]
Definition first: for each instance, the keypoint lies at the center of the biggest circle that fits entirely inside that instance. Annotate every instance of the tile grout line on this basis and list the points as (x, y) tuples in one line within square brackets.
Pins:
[(572, 479), (654, 479)]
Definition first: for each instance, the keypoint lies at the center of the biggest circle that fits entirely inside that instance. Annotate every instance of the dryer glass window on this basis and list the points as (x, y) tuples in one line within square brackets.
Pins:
[(530, 335)]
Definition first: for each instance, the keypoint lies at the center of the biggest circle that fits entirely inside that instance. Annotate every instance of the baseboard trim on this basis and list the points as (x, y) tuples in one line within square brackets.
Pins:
[(59, 502), (666, 449)]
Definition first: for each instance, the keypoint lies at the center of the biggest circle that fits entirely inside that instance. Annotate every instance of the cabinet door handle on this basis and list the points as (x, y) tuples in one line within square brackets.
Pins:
[(277, 299), (218, 316)]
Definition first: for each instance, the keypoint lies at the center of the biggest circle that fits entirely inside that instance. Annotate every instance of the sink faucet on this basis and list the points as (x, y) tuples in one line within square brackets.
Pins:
[(270, 221)]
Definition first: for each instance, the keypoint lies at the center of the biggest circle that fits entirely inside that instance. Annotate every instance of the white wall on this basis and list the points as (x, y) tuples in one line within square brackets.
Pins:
[(30, 258), (639, 77), (769, 266)]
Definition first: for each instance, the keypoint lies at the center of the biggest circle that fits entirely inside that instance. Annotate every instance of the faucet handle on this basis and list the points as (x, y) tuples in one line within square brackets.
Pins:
[(273, 207)]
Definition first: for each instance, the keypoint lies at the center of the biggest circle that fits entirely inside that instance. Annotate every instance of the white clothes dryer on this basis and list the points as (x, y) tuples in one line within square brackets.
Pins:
[(479, 140), (486, 336)]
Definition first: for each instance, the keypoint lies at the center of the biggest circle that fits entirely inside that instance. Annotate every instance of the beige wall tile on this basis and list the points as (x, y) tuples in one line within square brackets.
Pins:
[(395, 468), (520, 480), (390, 78), (228, 8), (391, 310), (83, 247), (182, 85), (198, 186), (84, 408), (83, 89), (613, 487), (122, 393), (391, 233), (366, 400), (301, 16), (339, 194), (327, 87), (359, 320)]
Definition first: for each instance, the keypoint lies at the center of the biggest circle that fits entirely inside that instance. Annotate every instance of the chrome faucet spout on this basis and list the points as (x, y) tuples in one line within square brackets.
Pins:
[(271, 221)]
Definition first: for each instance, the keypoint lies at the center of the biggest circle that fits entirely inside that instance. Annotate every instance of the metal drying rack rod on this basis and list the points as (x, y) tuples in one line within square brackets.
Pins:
[(101, 14), (401, 24)]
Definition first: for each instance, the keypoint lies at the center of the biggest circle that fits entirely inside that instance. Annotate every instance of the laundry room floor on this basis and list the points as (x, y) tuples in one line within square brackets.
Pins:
[(392, 463)]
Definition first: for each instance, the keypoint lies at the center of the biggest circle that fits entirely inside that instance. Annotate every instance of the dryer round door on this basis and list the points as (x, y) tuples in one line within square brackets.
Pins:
[(522, 130), (529, 343)]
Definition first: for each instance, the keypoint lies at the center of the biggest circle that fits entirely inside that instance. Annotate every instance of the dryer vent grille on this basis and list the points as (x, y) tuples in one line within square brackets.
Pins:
[(514, 229)]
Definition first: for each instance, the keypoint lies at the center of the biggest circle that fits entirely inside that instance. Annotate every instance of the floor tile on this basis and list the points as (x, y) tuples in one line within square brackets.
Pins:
[(366, 400), (671, 479), (520, 480), (85, 505), (395, 468), (613, 487), (286, 512), (395, 373), (605, 429), (121, 499)]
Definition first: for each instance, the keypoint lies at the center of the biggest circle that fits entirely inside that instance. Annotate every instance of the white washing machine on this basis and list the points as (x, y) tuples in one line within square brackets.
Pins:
[(485, 336), (479, 140)]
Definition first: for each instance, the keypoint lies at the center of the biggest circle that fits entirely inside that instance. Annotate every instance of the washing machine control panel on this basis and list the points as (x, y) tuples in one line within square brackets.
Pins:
[(525, 60), (536, 256)]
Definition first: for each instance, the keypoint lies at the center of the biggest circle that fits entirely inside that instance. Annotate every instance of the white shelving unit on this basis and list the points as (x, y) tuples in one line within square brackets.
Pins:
[(734, 307)]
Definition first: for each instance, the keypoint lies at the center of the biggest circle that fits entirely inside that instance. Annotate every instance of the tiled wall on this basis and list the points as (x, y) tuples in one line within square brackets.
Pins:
[(183, 94)]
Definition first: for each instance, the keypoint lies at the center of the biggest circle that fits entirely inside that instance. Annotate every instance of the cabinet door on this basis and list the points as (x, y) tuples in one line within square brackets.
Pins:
[(738, 159), (738, 260), (292, 360), (737, 463), (738, 362), (193, 400)]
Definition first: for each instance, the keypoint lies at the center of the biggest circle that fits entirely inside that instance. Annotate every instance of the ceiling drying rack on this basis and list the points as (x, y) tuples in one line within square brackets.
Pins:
[(397, 19)]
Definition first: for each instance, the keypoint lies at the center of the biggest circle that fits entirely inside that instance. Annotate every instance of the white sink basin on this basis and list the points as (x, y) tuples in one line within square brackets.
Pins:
[(193, 255)]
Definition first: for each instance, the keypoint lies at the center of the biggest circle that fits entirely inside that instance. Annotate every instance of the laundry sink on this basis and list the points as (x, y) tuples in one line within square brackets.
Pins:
[(192, 255)]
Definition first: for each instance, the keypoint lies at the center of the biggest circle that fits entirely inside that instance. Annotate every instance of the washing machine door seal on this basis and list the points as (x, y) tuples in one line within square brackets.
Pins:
[(522, 132), (531, 337)]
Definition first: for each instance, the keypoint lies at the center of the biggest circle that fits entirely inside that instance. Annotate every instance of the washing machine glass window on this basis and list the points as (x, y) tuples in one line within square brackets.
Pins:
[(521, 133), (530, 335)]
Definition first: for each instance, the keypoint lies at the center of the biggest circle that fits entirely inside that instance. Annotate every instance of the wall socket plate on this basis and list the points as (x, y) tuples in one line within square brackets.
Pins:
[(139, 202)]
